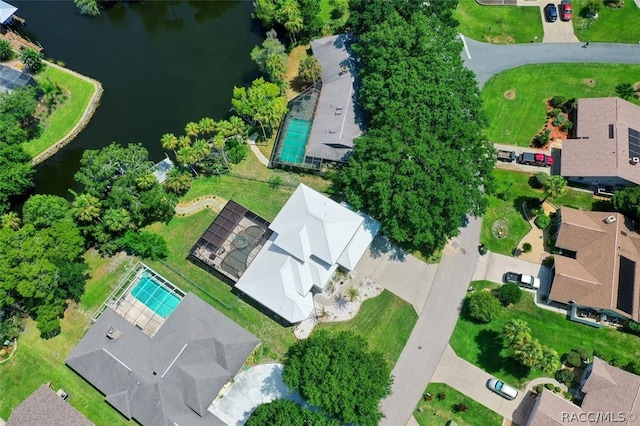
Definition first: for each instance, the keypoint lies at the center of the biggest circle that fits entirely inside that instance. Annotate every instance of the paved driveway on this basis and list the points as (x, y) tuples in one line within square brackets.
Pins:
[(403, 275), (558, 31), (522, 167), (492, 267)]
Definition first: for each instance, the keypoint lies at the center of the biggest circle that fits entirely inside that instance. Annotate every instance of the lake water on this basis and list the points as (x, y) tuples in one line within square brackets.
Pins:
[(161, 63)]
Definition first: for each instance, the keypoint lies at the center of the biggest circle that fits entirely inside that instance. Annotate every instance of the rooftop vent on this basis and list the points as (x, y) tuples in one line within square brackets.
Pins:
[(610, 131), (610, 219), (113, 334), (635, 160)]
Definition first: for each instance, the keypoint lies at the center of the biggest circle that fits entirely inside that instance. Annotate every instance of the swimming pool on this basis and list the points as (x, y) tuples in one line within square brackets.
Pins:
[(155, 296), (295, 141)]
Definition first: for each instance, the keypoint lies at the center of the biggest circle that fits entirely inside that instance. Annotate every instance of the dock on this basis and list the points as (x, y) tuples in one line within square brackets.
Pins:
[(18, 42)]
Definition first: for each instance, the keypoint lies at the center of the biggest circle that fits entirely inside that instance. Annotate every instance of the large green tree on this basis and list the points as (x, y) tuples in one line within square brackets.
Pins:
[(424, 162), (338, 372), (627, 201), (45, 210), (271, 58), (300, 18), (281, 412), (262, 103)]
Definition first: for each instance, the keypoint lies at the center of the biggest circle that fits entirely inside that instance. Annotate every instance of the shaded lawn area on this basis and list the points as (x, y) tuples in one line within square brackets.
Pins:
[(518, 120), (512, 189), (436, 413), (38, 361), (481, 344), (67, 115), (385, 321), (612, 25), (498, 24)]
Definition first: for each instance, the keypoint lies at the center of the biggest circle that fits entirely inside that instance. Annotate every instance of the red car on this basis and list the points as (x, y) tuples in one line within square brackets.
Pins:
[(566, 10)]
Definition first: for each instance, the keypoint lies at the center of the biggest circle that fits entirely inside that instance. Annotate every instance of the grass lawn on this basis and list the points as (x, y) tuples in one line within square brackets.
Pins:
[(516, 187), (498, 24), (38, 361), (385, 321), (481, 344), (66, 116), (436, 412), (612, 25), (518, 120)]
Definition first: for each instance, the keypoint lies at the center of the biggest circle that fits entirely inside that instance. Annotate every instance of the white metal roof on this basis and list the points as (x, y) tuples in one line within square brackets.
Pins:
[(6, 10), (312, 235)]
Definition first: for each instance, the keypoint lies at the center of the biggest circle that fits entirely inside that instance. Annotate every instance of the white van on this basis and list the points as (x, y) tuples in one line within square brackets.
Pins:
[(502, 389)]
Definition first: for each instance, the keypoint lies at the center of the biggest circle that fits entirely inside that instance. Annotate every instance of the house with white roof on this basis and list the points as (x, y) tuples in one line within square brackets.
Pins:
[(312, 237)]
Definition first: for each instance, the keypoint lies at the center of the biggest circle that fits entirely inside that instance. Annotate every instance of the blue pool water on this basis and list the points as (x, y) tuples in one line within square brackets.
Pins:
[(155, 296)]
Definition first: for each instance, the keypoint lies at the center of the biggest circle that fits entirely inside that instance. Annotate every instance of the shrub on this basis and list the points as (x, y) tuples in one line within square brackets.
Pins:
[(540, 140), (555, 112), (32, 59), (526, 247), (275, 182), (541, 178), (145, 244), (569, 105), (537, 211), (585, 354), (559, 120), (460, 407), (10, 328), (549, 386), (633, 327), (557, 389), (557, 101), (573, 359), (567, 125), (538, 388), (483, 306), (509, 293), (6, 52), (591, 9), (564, 376), (236, 151), (548, 261), (542, 221), (441, 396)]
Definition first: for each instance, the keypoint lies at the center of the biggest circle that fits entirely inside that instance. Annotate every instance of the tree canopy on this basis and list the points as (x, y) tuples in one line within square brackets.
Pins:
[(338, 373), (281, 412), (45, 210), (120, 194), (424, 162), (271, 58), (262, 103), (300, 18), (627, 201)]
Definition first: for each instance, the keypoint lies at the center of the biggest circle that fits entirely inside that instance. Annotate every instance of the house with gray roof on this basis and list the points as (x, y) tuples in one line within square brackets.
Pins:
[(170, 378), (323, 121), (46, 408), (606, 148)]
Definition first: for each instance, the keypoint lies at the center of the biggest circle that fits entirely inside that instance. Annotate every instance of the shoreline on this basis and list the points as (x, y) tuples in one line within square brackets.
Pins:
[(94, 102)]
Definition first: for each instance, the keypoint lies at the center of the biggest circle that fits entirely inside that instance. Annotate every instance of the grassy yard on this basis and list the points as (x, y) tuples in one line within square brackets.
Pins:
[(518, 120), (38, 361), (612, 25), (481, 344), (385, 321), (79, 94), (514, 188), (437, 412), (498, 24)]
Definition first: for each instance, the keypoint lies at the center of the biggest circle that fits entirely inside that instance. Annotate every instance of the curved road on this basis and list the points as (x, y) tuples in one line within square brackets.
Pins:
[(487, 60), (430, 336)]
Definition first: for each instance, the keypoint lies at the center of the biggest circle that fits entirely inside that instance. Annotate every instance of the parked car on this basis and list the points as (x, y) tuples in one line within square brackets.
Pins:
[(502, 389), (551, 12), (535, 159), (526, 281), (567, 11), (506, 156)]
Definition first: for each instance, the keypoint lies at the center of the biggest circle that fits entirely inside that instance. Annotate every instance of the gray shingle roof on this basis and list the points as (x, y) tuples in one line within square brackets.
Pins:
[(45, 408), (174, 375), (336, 122)]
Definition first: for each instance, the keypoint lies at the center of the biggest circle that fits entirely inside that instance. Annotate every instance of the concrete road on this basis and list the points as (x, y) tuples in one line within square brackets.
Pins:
[(430, 336), (487, 60)]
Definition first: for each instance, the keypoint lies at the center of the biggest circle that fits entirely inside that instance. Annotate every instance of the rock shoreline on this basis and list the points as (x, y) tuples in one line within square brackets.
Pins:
[(80, 125)]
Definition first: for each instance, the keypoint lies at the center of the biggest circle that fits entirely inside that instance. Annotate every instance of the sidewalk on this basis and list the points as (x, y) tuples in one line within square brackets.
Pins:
[(252, 145)]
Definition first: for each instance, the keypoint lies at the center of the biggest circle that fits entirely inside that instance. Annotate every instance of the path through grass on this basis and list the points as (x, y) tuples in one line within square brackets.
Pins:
[(516, 121)]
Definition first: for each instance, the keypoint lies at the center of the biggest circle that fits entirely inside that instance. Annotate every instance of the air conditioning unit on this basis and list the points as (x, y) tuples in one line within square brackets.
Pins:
[(610, 219), (635, 160)]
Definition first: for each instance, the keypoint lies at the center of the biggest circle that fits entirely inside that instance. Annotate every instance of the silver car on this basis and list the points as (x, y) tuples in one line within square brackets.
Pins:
[(502, 389)]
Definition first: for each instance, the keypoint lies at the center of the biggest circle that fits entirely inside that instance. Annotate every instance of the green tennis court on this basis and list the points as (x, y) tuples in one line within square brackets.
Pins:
[(295, 141)]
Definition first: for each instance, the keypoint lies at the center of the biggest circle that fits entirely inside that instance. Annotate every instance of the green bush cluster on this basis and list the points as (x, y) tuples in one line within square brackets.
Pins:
[(542, 221), (564, 376), (483, 306), (573, 359)]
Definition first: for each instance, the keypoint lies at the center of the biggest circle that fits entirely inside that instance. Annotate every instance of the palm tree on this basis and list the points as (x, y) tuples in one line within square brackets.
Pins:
[(178, 181), (515, 332), (206, 125), (186, 156), (294, 25), (117, 220), (86, 208), (146, 181), (201, 149), (184, 141), (625, 90), (530, 353), (169, 141), (554, 187), (353, 293), (192, 129), (550, 361), (11, 220)]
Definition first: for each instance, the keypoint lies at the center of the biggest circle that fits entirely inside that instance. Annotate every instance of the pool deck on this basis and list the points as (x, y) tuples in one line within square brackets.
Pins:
[(138, 314)]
